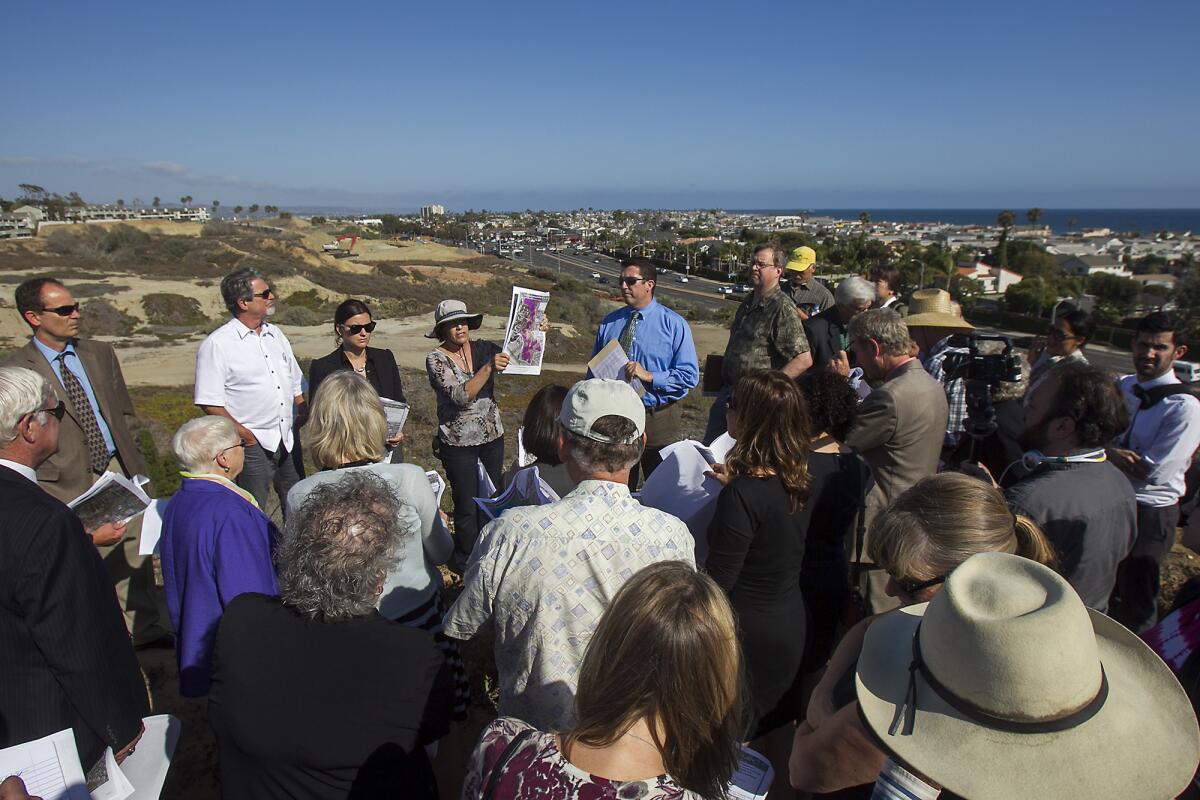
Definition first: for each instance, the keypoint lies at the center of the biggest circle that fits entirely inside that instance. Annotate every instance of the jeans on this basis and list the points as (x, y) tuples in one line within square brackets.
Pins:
[(462, 473), (716, 415), (264, 467), (1134, 601)]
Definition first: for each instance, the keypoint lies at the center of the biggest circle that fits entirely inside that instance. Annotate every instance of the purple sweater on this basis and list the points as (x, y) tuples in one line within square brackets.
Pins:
[(215, 546)]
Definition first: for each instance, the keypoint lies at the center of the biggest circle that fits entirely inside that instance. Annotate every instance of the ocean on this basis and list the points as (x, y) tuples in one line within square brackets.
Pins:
[(1124, 220)]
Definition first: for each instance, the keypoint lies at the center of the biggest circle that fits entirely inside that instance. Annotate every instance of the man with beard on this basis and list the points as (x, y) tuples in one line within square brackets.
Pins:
[(1083, 503), (245, 370)]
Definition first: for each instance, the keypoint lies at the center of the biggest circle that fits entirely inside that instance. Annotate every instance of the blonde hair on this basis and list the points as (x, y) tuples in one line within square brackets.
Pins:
[(943, 520), (346, 422), (666, 650)]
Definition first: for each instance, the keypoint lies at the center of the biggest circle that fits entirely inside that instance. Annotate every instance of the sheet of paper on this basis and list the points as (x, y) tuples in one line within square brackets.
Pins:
[(526, 489), (147, 768), (679, 486), (610, 363), (486, 487), (524, 458), (117, 787), (721, 446), (523, 341), (753, 777), (396, 413), (438, 484), (112, 498), (49, 767), (152, 527)]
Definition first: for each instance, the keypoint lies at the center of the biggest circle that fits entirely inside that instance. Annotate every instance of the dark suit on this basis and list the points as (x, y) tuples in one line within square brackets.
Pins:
[(382, 372), (65, 656), (825, 332), (66, 474), (898, 431)]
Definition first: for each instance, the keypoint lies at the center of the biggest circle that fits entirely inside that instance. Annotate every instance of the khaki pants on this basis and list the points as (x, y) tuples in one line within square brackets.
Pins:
[(133, 578)]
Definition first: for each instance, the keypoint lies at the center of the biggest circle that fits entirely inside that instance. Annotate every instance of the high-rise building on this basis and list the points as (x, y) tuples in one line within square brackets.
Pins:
[(428, 212)]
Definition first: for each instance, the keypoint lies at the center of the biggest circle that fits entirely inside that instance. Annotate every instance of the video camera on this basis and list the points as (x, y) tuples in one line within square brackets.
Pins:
[(981, 372)]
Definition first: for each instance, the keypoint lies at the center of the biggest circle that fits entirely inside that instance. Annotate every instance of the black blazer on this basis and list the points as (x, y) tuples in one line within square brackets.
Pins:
[(382, 372), (66, 659), (824, 332)]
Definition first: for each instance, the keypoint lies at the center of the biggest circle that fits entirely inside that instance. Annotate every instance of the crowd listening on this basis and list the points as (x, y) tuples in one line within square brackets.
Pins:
[(912, 581)]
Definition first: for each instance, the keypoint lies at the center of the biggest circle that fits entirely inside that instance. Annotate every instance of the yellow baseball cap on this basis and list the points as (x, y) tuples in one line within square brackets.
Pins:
[(802, 260)]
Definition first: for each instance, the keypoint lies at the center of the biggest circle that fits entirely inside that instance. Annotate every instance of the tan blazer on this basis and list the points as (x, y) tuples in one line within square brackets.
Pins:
[(65, 474), (899, 431)]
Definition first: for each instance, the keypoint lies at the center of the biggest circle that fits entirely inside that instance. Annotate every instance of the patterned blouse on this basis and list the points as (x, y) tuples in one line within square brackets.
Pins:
[(539, 770), (463, 422)]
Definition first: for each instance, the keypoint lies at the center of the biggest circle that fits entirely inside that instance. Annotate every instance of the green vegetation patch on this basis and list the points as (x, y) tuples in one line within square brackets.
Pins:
[(173, 309)]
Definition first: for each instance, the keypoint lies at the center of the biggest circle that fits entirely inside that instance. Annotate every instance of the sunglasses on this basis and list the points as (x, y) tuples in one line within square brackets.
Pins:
[(265, 294), (62, 311), (1059, 336), (355, 330), (910, 587), (58, 412), (631, 280)]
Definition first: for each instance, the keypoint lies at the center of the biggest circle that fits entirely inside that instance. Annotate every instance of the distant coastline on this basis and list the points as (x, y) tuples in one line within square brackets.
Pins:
[(1121, 220)]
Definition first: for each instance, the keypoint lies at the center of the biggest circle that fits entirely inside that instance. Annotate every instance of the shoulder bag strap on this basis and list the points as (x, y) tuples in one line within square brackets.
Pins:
[(498, 767)]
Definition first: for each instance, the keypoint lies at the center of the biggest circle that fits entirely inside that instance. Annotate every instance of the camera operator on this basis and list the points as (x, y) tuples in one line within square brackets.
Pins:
[(933, 321), (1083, 503)]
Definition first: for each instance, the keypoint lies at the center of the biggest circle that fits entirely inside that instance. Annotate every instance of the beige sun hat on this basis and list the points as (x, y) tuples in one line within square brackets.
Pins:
[(449, 311), (933, 308), (1018, 690)]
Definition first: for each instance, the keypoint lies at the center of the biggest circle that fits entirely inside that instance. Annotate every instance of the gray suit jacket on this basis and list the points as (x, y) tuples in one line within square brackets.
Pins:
[(899, 431), (65, 474)]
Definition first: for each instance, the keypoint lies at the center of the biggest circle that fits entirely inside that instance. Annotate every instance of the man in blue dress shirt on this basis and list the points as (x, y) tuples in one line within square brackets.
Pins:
[(661, 355)]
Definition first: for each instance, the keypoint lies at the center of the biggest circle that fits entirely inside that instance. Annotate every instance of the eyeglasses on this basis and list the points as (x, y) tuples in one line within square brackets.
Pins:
[(757, 265), (1058, 336), (630, 280), (910, 587), (58, 411), (62, 311), (265, 294), (355, 330), (231, 447)]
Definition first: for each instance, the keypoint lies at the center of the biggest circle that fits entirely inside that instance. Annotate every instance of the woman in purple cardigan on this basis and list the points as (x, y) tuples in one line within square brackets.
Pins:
[(216, 544)]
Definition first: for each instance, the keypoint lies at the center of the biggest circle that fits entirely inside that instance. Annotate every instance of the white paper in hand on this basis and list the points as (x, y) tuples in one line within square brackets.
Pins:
[(48, 766), (679, 486), (753, 777)]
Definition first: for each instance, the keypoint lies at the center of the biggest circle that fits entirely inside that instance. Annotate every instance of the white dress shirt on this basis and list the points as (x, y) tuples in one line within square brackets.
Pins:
[(20, 469), (1165, 436), (254, 377)]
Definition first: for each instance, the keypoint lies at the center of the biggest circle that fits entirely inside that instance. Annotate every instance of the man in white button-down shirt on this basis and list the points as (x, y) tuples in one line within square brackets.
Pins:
[(245, 371), (1154, 452)]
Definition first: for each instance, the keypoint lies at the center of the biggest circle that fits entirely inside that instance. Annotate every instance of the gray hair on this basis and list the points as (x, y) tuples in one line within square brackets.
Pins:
[(339, 545), (236, 286), (884, 326), (593, 457), (854, 291), (198, 441), (22, 392)]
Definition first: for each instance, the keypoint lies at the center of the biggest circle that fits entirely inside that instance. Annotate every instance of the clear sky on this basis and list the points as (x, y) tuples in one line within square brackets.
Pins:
[(784, 104)]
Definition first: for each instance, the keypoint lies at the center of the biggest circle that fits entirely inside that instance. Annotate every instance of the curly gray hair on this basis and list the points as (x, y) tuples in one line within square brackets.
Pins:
[(338, 547), (236, 286), (884, 326)]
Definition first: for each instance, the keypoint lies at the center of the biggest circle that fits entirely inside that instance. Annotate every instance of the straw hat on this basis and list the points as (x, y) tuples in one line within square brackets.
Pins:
[(803, 259), (933, 308), (449, 311), (1021, 691)]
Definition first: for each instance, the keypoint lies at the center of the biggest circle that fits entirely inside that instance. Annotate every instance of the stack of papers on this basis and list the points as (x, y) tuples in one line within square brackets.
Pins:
[(437, 484), (610, 363), (679, 487), (396, 413), (526, 489), (112, 498)]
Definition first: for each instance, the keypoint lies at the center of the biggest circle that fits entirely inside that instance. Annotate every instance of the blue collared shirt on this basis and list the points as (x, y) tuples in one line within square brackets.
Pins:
[(662, 343), (76, 366)]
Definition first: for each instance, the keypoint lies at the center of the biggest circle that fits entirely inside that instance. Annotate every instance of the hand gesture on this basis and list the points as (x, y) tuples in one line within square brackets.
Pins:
[(1035, 349), (245, 435), (720, 472), (544, 325), (500, 361), (635, 370), (395, 440), (841, 364), (107, 534)]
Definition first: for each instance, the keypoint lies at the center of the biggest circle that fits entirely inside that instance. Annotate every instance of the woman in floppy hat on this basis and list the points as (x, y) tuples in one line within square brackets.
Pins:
[(462, 373), (1006, 685), (930, 529)]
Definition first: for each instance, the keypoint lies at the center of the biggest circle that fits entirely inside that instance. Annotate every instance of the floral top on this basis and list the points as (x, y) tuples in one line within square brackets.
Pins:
[(463, 422), (538, 769)]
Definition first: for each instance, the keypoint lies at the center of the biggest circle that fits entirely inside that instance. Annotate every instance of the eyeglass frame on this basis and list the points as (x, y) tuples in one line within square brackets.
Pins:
[(1058, 336), (58, 412), (265, 294), (240, 443), (349, 330), (632, 280), (911, 587), (62, 311)]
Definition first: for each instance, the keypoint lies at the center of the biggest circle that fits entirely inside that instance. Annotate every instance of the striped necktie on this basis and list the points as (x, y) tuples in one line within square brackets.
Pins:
[(627, 335), (97, 449)]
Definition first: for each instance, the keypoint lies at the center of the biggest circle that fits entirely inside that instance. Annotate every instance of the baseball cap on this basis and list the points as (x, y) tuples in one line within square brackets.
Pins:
[(592, 399), (802, 260)]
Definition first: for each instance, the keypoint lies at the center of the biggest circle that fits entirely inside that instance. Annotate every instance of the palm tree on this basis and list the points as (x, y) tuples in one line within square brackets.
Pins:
[(864, 218), (216, 205), (1033, 215), (157, 201), (237, 210), (120, 204), (253, 209), (1005, 219), (1070, 223)]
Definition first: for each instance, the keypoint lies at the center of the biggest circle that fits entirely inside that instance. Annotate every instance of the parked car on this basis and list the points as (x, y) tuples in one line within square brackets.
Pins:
[(1187, 371)]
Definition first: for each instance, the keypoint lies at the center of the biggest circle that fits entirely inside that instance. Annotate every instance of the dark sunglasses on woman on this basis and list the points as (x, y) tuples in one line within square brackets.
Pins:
[(355, 330)]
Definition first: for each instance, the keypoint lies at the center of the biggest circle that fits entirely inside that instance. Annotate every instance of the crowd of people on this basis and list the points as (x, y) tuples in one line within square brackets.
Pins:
[(892, 601)]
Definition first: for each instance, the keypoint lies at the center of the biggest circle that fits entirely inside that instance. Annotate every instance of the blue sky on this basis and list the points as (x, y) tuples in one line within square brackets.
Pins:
[(650, 104)]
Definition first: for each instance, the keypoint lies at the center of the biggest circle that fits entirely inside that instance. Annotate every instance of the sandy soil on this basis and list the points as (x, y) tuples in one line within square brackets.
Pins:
[(148, 225)]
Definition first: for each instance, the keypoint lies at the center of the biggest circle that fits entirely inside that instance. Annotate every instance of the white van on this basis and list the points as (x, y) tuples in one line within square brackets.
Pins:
[(1187, 371)]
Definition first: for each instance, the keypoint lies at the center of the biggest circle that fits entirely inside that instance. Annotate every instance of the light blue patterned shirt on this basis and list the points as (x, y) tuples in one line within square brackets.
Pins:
[(545, 574)]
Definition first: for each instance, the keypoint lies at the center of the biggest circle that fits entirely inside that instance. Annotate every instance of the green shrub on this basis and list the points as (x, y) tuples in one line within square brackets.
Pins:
[(218, 228), (102, 318), (299, 315), (172, 309)]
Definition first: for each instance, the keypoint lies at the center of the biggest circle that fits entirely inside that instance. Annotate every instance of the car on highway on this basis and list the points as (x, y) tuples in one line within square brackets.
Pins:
[(596, 275), (595, 261), (681, 279), (602, 280), (724, 289)]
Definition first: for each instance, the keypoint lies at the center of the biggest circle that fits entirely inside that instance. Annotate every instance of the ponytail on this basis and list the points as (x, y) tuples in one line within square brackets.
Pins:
[(1032, 543)]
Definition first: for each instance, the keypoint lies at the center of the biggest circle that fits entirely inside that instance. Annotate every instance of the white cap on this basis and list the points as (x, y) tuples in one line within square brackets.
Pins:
[(592, 399)]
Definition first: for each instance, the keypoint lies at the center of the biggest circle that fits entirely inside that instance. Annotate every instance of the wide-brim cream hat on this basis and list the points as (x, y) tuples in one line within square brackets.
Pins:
[(933, 308), (1018, 690), (449, 311)]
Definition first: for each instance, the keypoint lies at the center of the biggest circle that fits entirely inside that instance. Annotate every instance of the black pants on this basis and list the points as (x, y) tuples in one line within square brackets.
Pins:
[(664, 426), (462, 472), (1134, 600)]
